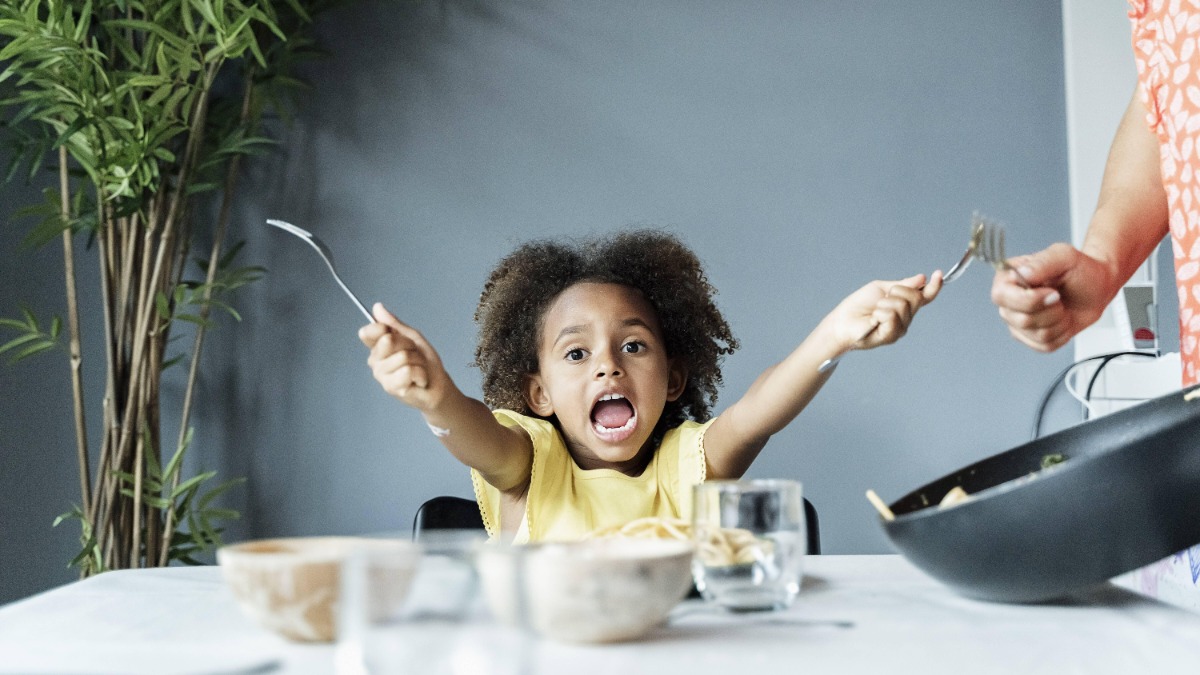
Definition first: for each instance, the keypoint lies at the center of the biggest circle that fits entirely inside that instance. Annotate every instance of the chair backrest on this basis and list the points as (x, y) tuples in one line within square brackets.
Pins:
[(456, 513), (447, 513), (812, 527)]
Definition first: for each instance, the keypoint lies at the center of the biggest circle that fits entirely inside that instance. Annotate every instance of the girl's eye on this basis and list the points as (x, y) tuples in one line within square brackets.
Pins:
[(575, 355), (634, 347)]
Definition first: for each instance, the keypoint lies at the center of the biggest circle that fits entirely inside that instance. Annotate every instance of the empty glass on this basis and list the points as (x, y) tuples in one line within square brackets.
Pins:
[(750, 543)]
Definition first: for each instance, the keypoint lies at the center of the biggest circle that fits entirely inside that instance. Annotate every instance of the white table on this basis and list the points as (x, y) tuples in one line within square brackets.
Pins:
[(855, 614)]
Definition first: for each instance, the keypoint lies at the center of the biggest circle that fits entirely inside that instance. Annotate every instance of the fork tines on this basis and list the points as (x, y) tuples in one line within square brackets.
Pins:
[(991, 246)]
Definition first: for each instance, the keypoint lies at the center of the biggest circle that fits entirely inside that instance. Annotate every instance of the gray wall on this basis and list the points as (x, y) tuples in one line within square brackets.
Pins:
[(801, 148)]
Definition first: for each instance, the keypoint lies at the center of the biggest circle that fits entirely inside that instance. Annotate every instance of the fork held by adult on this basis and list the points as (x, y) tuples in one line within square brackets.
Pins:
[(991, 249)]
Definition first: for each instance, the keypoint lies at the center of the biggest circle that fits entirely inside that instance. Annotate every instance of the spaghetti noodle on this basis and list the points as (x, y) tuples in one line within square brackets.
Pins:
[(716, 547)]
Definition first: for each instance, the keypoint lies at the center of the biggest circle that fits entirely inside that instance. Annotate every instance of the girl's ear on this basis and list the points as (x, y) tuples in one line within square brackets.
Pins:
[(537, 397), (677, 378)]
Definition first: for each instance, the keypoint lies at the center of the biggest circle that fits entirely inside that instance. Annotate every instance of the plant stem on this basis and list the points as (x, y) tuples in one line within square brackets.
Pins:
[(81, 449), (210, 274)]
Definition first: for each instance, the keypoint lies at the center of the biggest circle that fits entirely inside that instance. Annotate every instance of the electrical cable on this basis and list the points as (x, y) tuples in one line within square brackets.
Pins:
[(1049, 393), (1096, 374), (1070, 383)]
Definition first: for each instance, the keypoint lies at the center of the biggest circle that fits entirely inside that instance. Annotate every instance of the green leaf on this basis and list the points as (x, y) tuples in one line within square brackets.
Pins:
[(229, 309), (148, 499), (13, 344), (75, 513), (190, 483), (76, 125), (171, 39), (33, 349), (160, 304), (153, 468), (205, 9), (298, 8), (172, 468), (202, 187), (30, 319), (193, 318), (219, 490)]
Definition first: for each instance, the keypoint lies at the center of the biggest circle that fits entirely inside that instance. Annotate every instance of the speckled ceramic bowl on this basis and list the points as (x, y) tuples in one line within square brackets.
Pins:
[(291, 585), (606, 590)]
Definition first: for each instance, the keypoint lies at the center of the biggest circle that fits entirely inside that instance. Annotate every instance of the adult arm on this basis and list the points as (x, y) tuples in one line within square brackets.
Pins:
[(1071, 287)]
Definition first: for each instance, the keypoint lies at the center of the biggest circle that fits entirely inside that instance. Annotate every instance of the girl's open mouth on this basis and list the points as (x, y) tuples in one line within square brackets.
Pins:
[(614, 418)]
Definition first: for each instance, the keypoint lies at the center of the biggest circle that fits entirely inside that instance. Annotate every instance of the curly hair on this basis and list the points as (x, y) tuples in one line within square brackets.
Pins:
[(523, 285)]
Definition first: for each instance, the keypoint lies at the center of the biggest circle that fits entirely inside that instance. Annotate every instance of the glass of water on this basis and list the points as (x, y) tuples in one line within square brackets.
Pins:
[(750, 543)]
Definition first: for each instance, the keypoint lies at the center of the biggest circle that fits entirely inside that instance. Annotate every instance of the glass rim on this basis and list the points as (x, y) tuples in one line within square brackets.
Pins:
[(749, 484)]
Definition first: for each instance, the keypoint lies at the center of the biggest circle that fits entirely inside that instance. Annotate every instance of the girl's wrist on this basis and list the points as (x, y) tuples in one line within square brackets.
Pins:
[(827, 340), (440, 414)]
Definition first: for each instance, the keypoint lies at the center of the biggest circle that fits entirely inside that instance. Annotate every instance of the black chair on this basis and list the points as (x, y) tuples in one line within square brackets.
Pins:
[(447, 513), (813, 529), (456, 513)]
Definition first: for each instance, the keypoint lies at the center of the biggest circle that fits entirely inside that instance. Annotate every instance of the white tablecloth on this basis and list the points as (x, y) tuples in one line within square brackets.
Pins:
[(855, 614)]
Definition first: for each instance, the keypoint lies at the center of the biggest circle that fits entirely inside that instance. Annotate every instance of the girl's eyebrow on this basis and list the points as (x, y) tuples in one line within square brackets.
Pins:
[(569, 330), (580, 328)]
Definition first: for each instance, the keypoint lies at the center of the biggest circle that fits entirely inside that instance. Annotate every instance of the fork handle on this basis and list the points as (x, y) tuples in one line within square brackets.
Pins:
[(829, 364), (1020, 277), (361, 307)]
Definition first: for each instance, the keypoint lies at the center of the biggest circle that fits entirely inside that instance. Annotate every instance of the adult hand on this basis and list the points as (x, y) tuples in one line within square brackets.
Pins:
[(1069, 291)]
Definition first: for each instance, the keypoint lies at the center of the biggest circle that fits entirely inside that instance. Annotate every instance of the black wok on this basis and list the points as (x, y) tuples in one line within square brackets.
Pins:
[(1127, 494)]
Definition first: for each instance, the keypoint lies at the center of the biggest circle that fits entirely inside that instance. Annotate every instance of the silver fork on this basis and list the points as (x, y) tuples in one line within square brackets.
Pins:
[(991, 249), (325, 255), (978, 230)]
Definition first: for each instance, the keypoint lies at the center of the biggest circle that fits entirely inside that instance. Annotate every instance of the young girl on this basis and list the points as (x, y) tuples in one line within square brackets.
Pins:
[(600, 364)]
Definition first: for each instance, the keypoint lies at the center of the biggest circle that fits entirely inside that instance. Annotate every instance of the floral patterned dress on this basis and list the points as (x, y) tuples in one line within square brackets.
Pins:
[(1167, 52)]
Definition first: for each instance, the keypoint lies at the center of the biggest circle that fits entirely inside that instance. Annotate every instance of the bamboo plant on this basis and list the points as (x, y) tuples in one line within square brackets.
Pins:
[(143, 111)]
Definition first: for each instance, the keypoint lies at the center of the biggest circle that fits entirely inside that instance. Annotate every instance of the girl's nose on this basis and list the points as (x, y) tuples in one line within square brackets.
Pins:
[(606, 365)]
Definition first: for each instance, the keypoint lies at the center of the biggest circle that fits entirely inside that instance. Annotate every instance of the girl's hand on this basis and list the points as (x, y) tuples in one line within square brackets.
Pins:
[(880, 312), (404, 362)]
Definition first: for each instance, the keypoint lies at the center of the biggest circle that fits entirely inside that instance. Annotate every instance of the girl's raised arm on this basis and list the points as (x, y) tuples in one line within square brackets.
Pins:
[(409, 368), (881, 310)]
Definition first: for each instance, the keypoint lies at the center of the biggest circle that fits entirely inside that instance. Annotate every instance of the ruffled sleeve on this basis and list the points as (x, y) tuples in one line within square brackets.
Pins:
[(544, 436), (682, 449)]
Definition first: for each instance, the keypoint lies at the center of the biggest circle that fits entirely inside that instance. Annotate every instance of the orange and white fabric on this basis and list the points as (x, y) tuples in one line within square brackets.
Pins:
[(1166, 47)]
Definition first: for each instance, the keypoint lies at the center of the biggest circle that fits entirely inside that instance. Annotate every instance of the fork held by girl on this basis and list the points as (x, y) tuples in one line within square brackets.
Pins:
[(601, 363)]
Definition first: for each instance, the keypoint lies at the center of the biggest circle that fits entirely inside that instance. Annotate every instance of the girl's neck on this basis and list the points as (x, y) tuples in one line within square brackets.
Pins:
[(634, 467)]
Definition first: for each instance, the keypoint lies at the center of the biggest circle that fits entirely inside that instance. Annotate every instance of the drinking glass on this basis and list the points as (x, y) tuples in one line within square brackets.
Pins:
[(444, 627), (750, 543)]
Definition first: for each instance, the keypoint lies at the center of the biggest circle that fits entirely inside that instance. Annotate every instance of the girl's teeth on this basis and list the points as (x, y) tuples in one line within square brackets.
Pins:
[(624, 427)]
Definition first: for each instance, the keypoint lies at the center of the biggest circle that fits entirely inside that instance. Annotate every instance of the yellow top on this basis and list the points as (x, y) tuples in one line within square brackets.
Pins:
[(566, 502)]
